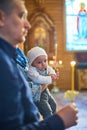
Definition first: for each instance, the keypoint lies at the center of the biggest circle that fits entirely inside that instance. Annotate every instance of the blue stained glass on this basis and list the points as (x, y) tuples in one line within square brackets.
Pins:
[(76, 25)]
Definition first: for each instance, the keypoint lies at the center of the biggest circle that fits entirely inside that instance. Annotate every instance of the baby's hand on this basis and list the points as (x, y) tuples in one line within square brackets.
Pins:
[(57, 73), (53, 77)]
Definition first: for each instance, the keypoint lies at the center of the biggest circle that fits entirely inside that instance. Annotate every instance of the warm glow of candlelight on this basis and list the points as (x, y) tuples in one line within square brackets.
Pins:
[(51, 62), (56, 51), (60, 62), (72, 65), (54, 58)]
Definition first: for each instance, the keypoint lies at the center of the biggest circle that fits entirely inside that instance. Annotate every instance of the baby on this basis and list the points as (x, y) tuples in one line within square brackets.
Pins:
[(40, 73)]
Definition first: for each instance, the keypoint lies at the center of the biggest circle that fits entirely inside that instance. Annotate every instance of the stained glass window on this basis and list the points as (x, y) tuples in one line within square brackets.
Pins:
[(76, 25)]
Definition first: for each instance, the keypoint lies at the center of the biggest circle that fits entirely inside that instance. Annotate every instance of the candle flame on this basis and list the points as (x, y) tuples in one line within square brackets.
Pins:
[(72, 63)]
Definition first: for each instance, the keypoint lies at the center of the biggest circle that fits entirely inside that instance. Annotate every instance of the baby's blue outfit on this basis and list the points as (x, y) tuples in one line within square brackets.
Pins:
[(36, 87)]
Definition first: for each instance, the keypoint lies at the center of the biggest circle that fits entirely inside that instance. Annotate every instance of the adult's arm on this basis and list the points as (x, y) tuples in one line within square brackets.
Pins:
[(17, 109)]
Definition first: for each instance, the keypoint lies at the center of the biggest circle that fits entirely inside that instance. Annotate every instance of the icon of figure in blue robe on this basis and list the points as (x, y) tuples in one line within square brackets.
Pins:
[(82, 21)]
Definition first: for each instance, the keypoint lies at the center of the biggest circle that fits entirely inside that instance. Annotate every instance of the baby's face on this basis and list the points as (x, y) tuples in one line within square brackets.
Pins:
[(40, 62)]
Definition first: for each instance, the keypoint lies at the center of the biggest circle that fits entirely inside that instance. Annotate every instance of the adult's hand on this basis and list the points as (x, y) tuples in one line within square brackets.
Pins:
[(69, 115)]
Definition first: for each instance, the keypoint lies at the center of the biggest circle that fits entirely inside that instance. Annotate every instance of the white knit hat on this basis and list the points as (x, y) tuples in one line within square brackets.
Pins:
[(34, 53)]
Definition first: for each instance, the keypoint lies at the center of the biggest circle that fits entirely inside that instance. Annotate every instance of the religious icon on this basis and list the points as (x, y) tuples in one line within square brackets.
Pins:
[(40, 37), (82, 21)]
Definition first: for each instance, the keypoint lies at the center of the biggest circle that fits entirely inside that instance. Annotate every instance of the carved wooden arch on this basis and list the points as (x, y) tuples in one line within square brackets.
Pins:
[(41, 33)]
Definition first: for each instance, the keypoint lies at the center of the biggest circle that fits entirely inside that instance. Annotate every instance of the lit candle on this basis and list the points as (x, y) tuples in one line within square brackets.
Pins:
[(56, 51), (60, 62), (51, 63), (72, 65)]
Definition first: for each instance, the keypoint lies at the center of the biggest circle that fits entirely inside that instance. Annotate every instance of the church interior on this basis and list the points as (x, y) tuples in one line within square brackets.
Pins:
[(54, 28)]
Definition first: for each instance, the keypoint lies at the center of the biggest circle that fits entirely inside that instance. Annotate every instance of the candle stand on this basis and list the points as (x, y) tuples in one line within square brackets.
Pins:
[(55, 89), (55, 65), (71, 94)]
